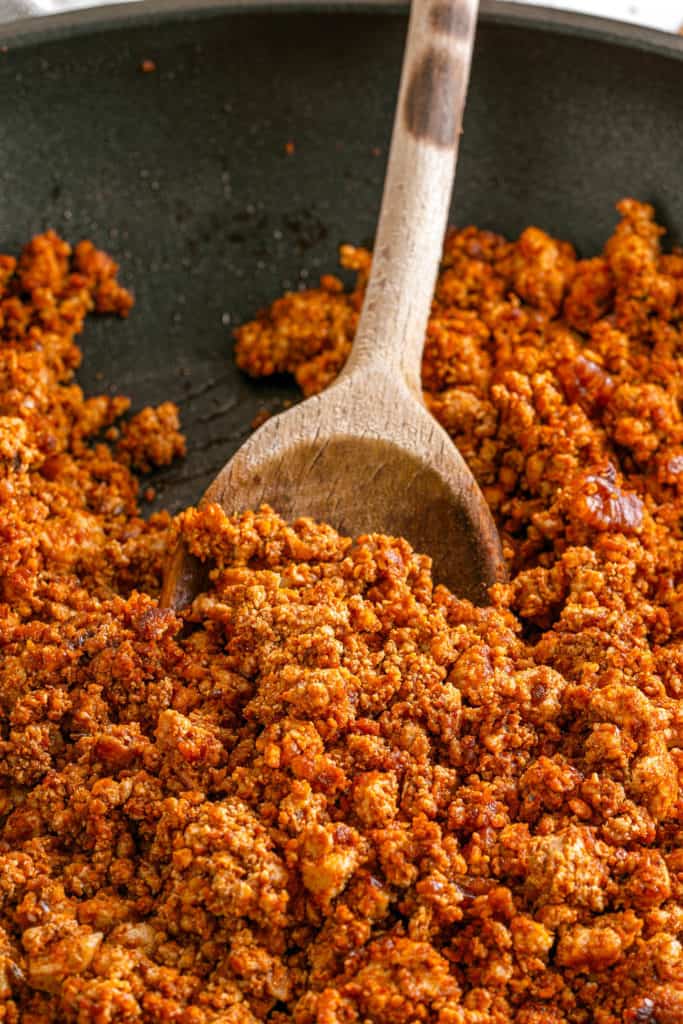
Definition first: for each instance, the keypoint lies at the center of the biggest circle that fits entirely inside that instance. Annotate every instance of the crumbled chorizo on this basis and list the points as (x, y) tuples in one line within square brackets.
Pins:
[(341, 795)]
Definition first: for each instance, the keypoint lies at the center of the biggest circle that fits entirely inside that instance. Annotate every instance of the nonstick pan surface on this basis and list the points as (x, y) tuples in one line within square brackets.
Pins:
[(182, 173)]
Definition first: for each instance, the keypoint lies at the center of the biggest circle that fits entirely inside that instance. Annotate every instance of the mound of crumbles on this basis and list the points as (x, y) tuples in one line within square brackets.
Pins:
[(331, 792)]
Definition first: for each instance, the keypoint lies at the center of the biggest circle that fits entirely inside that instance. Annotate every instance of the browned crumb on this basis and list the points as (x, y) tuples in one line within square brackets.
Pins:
[(147, 66), (260, 418), (151, 438)]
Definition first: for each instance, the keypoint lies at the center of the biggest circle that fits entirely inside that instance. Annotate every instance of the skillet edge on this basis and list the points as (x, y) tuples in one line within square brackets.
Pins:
[(31, 31)]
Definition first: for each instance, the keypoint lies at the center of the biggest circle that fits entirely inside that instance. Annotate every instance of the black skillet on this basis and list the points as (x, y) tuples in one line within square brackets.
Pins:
[(183, 174)]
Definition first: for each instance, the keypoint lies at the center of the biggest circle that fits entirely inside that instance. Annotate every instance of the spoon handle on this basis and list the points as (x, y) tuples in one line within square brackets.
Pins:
[(417, 189)]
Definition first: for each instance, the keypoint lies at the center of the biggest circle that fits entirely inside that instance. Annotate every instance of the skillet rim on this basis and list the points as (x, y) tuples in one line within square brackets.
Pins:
[(27, 32)]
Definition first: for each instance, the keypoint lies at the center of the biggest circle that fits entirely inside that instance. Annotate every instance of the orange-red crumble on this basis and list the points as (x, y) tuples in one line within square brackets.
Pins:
[(341, 795)]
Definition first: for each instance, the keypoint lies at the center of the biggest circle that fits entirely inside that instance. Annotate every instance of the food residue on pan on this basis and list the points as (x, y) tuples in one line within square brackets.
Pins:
[(340, 794)]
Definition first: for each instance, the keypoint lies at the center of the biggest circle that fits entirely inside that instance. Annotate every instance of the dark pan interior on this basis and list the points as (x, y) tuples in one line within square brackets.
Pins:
[(182, 173)]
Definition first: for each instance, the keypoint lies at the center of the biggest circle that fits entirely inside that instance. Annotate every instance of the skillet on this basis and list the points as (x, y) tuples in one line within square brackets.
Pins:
[(183, 175)]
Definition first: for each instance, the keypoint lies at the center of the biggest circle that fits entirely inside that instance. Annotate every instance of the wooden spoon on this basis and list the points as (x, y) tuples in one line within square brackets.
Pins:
[(365, 455)]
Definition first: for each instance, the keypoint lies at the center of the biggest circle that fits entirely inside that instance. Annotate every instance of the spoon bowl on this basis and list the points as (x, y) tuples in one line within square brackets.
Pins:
[(399, 474)]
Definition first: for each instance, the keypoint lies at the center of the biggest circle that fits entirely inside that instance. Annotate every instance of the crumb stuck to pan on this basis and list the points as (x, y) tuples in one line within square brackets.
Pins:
[(260, 418), (342, 795)]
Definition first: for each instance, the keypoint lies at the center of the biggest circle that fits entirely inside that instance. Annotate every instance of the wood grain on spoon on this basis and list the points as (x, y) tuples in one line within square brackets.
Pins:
[(365, 455)]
